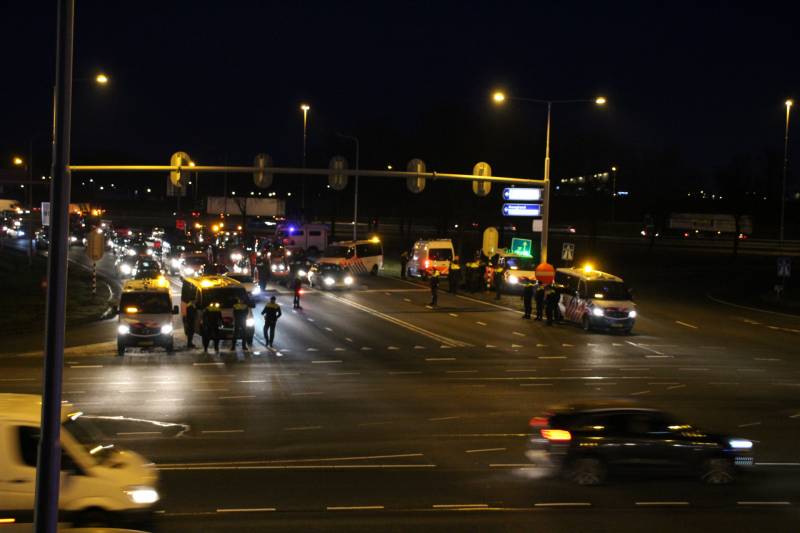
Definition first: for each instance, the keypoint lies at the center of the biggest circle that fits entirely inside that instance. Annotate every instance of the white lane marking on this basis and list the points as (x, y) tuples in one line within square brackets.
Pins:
[(796, 415), (753, 322), (302, 428), (348, 339), (316, 393), (485, 450), (661, 503), (325, 361), (686, 324), (461, 372), (87, 366), (311, 350), (763, 503), (365, 424), (356, 508), (518, 334), (643, 347), (460, 505), (418, 347), (248, 510), (538, 345), (344, 373), (749, 424), (338, 349), (307, 460), (640, 393), (328, 329), (428, 307), (566, 345), (516, 346), (18, 379), (210, 390), (392, 348), (131, 433), (235, 397), (402, 323), (616, 344), (454, 315), (723, 302), (521, 370), (365, 348), (387, 293), (511, 465), (723, 382), (407, 299), (404, 372), (310, 319), (75, 392), (658, 357), (535, 384), (576, 369), (439, 419), (562, 504), (158, 400), (491, 346), (480, 323), (632, 368), (214, 431), (693, 369), (440, 359), (777, 464), (552, 357), (671, 387), (253, 381), (592, 345), (299, 467)]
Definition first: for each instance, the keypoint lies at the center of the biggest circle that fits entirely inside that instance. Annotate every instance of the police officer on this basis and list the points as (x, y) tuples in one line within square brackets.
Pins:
[(454, 276), (212, 320), (298, 289), (240, 309), (434, 288), (498, 282), (189, 323), (527, 298), (263, 273), (272, 312), (539, 297), (551, 297), (403, 264)]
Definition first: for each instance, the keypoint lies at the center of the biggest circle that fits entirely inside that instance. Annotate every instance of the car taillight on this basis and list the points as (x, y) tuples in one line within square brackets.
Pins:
[(538, 421), (427, 263), (556, 434)]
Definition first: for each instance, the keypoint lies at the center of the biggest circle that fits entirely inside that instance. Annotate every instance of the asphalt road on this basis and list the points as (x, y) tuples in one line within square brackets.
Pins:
[(376, 411)]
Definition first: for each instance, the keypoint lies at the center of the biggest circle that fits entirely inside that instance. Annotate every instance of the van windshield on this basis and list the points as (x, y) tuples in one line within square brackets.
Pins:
[(338, 251), (608, 290), (440, 254), (225, 297), (146, 302), (88, 435)]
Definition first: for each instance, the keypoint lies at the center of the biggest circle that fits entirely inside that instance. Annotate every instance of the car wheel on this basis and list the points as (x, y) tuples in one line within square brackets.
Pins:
[(587, 471), (374, 271), (120, 349), (717, 471), (585, 323)]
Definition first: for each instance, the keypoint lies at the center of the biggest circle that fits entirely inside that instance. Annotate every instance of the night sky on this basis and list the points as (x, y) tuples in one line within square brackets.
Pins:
[(224, 80)]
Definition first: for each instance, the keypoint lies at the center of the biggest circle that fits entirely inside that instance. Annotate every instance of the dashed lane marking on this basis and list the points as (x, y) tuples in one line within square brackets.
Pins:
[(454, 315), (302, 428), (86, 366), (461, 372), (344, 373), (311, 350), (404, 372), (348, 339), (521, 370), (517, 346), (326, 361), (491, 346), (460, 505), (441, 418), (338, 349), (552, 357), (328, 329), (763, 503), (392, 348), (749, 424), (365, 348), (356, 508), (236, 397), (535, 384), (221, 431), (538, 345), (639, 393), (480, 323), (486, 450), (671, 387), (314, 393), (766, 359), (136, 433), (434, 359), (248, 510), (686, 324), (518, 334), (796, 415), (566, 345), (418, 347), (643, 347)]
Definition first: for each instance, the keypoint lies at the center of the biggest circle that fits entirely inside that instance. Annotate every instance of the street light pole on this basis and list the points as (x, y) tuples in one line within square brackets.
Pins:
[(789, 104), (304, 108), (613, 193), (48, 471), (355, 198)]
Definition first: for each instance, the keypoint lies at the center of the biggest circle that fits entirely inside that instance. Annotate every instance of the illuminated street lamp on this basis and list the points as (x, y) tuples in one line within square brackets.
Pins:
[(18, 162), (101, 78), (788, 104), (499, 98)]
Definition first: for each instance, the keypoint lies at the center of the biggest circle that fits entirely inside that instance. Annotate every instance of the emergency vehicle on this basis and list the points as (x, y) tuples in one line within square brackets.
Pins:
[(145, 315), (430, 255), (223, 290), (359, 257), (309, 237), (595, 300), (516, 271)]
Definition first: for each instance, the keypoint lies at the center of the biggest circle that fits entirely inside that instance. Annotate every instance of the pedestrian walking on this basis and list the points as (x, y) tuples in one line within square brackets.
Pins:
[(272, 312), (403, 264), (189, 323), (551, 298), (539, 298), (298, 290), (527, 299), (434, 288), (454, 277), (240, 309), (211, 322)]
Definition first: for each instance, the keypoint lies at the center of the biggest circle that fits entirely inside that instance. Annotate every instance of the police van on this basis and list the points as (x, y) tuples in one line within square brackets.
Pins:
[(595, 300), (359, 257), (515, 271), (430, 255), (223, 290), (145, 315)]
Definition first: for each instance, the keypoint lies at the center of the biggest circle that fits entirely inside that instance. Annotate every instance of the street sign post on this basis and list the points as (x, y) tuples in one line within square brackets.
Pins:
[(95, 248), (522, 194), (178, 159), (568, 251), (522, 210), (521, 246)]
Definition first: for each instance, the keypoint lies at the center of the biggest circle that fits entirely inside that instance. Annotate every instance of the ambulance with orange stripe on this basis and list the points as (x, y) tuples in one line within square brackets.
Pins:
[(359, 257), (595, 300)]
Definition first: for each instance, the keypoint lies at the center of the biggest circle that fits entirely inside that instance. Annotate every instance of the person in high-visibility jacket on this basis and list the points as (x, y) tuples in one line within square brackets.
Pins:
[(211, 322), (189, 323), (454, 276), (434, 287), (240, 309), (272, 312)]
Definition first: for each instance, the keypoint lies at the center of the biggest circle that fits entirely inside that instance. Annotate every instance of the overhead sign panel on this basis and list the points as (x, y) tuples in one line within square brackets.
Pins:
[(522, 210), (522, 194)]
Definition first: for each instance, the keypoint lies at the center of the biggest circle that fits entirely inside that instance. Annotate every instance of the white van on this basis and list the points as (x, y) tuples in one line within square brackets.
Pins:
[(145, 315), (595, 300), (517, 270), (360, 257), (100, 483), (427, 256), (309, 237)]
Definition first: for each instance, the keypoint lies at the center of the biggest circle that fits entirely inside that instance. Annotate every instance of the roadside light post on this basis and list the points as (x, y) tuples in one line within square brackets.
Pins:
[(789, 104), (613, 193), (500, 98), (304, 108), (355, 197)]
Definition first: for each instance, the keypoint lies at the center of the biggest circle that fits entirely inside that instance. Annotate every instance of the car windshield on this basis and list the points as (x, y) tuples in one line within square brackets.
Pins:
[(608, 290), (329, 268), (225, 297), (440, 254), (145, 302), (521, 263), (88, 435), (337, 251)]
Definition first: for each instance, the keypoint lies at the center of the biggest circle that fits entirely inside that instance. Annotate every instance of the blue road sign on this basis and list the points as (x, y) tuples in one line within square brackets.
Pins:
[(522, 194), (522, 210)]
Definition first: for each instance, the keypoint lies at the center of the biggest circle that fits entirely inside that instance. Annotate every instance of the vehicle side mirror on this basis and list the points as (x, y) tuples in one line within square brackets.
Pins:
[(175, 310)]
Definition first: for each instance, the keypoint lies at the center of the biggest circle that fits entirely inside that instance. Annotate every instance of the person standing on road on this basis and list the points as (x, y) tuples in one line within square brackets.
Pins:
[(434, 288), (272, 312), (551, 297), (263, 273), (454, 276), (240, 309), (212, 320), (403, 264), (527, 299), (539, 297), (297, 285), (188, 325)]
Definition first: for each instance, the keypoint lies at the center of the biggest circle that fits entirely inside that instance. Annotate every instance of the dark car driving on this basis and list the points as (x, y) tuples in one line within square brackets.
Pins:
[(585, 445), (330, 276)]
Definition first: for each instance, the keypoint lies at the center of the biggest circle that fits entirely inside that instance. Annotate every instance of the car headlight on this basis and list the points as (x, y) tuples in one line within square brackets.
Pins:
[(256, 290), (142, 495), (125, 268), (281, 268), (149, 251), (740, 444), (597, 311), (329, 280), (166, 329), (302, 273), (236, 257), (273, 267), (513, 280), (348, 280), (250, 322), (123, 329), (188, 271), (73, 238), (632, 314), (131, 253), (176, 263), (237, 269)]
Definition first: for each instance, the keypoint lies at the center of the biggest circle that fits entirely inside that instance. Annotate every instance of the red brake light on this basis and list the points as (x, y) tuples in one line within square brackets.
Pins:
[(427, 263), (538, 421), (556, 434)]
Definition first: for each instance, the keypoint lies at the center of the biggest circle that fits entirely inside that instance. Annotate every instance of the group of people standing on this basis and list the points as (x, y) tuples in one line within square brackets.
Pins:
[(546, 298)]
